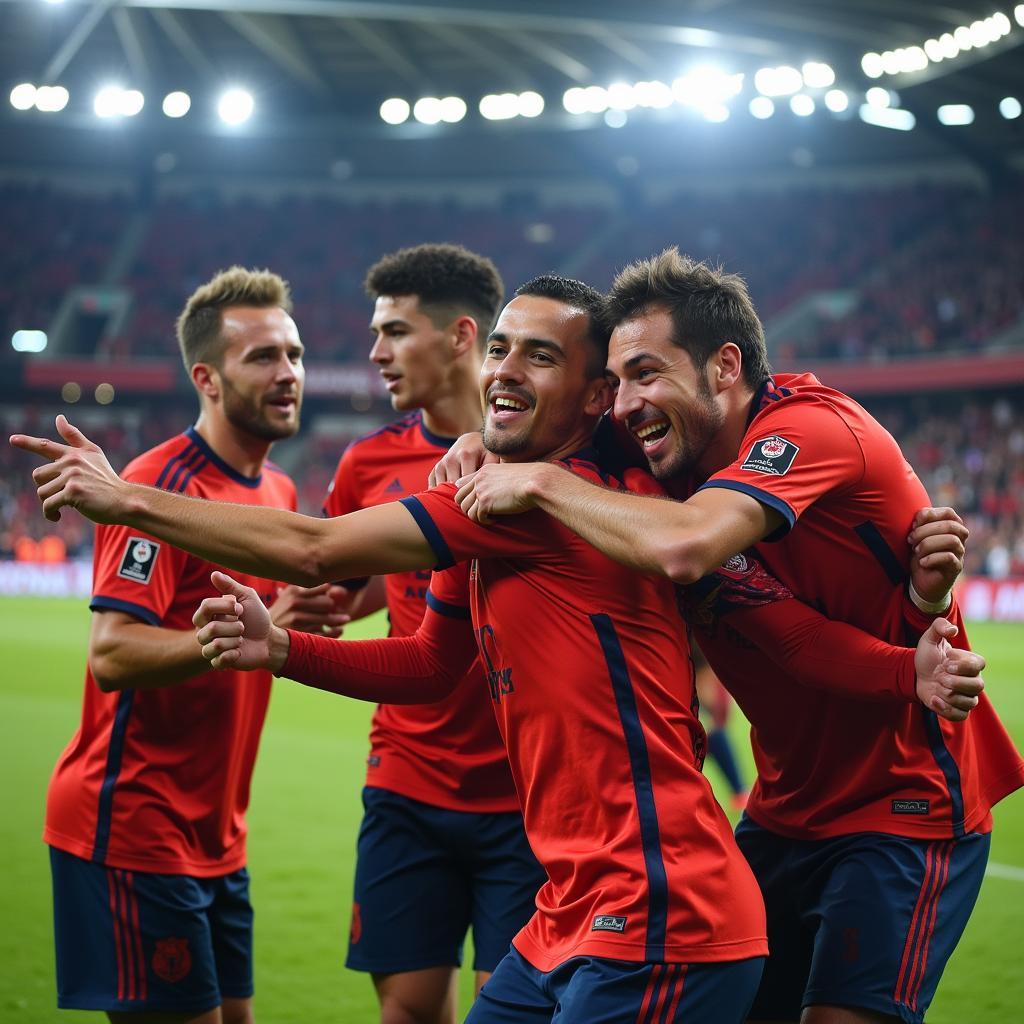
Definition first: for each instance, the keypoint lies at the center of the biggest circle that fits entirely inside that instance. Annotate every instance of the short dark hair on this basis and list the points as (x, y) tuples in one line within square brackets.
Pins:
[(449, 281), (708, 308), (580, 296), (200, 321)]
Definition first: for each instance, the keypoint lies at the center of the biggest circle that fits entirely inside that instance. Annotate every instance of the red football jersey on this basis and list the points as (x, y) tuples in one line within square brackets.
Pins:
[(590, 679), (829, 764), (448, 754), (158, 780)]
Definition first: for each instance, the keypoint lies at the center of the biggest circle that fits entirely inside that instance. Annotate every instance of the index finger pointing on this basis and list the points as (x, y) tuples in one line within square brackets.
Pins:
[(51, 450)]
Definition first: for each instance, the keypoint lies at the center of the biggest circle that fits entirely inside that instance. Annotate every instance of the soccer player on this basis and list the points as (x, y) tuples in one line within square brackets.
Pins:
[(869, 826), (145, 815), (647, 913), (442, 845)]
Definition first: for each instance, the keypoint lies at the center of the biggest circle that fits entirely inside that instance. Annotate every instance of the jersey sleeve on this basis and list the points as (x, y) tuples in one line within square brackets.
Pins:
[(134, 572), (454, 537), (794, 453), (814, 650), (418, 669)]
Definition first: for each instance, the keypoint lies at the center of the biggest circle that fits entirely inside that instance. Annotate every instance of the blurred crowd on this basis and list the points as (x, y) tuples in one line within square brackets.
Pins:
[(930, 267), (968, 451)]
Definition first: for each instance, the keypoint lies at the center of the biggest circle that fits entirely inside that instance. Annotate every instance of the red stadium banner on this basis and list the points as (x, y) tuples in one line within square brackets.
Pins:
[(150, 375), (985, 600)]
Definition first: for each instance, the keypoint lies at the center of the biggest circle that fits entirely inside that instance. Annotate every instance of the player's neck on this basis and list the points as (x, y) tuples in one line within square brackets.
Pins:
[(243, 452), (722, 451), (455, 414)]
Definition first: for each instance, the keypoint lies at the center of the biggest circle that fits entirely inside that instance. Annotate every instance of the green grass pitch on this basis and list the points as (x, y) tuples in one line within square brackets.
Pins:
[(303, 820)]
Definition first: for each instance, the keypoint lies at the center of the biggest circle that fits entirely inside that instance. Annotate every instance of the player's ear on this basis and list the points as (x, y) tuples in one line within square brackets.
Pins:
[(725, 367), (600, 397), (206, 380), (464, 335)]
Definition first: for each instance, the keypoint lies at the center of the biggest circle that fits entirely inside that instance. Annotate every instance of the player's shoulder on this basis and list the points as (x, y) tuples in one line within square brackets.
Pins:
[(803, 391), (391, 435), (590, 465), (157, 465)]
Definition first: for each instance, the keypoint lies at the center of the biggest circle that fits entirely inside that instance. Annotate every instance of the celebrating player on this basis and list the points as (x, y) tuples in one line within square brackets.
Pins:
[(646, 908), (145, 815), (868, 826), (442, 845)]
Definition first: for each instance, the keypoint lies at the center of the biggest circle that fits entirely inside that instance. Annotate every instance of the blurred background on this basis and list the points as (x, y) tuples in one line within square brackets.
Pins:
[(859, 163)]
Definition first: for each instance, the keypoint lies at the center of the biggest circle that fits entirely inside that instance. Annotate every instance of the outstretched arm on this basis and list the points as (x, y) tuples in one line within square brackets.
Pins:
[(265, 542), (235, 631), (681, 540)]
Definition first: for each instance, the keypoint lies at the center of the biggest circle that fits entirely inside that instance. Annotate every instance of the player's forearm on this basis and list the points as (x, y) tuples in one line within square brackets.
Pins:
[(271, 543), (135, 656), (646, 533), (396, 670)]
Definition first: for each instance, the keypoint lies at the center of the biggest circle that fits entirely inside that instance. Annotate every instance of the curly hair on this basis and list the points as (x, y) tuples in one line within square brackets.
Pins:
[(708, 308), (199, 325), (449, 281)]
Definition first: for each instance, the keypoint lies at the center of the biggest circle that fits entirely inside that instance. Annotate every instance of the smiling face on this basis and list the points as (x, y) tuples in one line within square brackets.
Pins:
[(541, 401), (666, 403), (260, 372), (411, 352)]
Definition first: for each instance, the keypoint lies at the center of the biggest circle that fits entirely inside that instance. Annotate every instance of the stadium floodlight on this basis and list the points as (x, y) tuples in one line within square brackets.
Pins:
[(235, 106), (427, 110), (1002, 23), (107, 102), (950, 47), (817, 75), (934, 51), (761, 107), (1018, 13), (879, 97), (453, 109), (837, 101), (621, 96), (781, 81), (891, 62), (395, 110), (1010, 107), (655, 95), (615, 118), (801, 104), (596, 99), (980, 33), (887, 117), (955, 114), (51, 99), (530, 104), (177, 104), (962, 35), (871, 65), (132, 101), (28, 341), (574, 100), (499, 106), (23, 97)]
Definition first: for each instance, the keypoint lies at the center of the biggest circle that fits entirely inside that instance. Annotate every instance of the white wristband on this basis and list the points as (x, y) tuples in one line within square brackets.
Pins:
[(930, 607)]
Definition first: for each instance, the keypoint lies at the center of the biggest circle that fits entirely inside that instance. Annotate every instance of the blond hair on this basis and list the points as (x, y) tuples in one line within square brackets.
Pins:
[(199, 325)]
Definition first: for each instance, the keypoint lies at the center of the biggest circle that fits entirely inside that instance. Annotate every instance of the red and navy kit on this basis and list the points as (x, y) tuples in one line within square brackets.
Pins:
[(447, 754), (593, 692), (829, 764), (158, 780)]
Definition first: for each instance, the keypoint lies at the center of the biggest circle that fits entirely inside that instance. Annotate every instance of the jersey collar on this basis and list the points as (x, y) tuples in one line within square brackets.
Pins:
[(229, 471)]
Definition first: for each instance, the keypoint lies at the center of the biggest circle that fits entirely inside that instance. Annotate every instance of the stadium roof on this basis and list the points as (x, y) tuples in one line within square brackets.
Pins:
[(320, 69)]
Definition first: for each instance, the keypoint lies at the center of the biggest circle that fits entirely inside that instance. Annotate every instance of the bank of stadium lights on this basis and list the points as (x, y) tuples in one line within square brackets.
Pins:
[(761, 107), (801, 104), (1010, 107), (879, 97), (28, 341), (955, 114), (780, 81), (49, 99), (235, 106), (434, 110), (114, 101), (907, 59), (887, 117), (395, 111), (837, 101), (506, 105)]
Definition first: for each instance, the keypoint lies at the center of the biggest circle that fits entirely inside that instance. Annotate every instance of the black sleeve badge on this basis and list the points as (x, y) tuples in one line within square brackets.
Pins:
[(771, 455), (139, 558)]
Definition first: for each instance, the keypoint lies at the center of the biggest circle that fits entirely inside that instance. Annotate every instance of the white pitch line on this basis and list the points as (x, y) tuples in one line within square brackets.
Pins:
[(1005, 871)]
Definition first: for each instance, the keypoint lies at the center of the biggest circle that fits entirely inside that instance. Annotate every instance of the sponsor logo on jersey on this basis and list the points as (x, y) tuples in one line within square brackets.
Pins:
[(139, 559), (772, 456), (608, 923), (499, 680), (172, 960), (395, 487), (373, 761), (910, 806)]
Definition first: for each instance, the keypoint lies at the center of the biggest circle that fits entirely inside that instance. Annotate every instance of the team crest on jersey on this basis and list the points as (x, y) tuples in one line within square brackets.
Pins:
[(736, 566), (772, 456), (608, 923), (138, 560), (172, 960)]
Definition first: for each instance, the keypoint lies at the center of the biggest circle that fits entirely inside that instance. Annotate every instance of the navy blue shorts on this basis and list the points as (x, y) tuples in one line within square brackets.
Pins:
[(866, 920), (131, 940), (425, 875), (592, 990)]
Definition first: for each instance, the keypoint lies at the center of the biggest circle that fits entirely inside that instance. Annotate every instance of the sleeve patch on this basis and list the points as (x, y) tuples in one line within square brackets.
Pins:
[(772, 456), (138, 560)]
